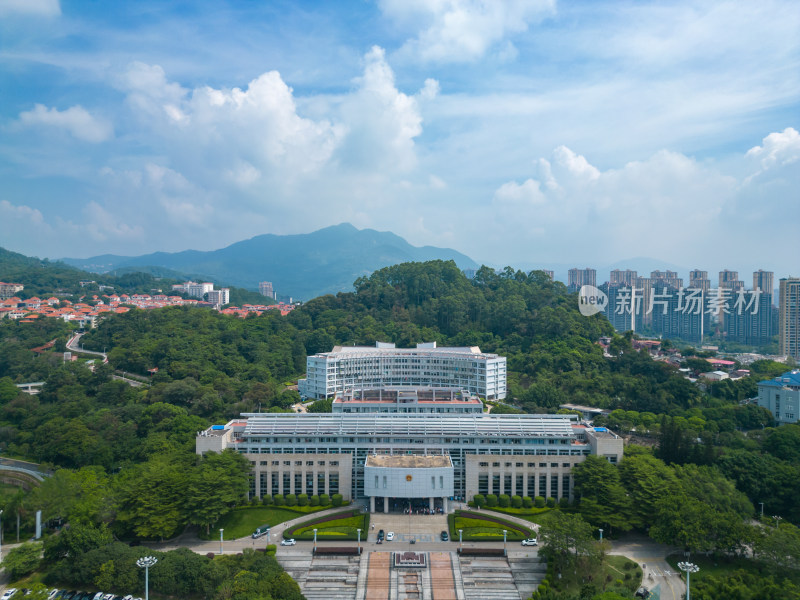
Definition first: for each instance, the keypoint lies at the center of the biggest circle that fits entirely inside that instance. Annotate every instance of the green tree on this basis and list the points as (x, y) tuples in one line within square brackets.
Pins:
[(22, 560), (215, 485), (603, 499), (565, 537)]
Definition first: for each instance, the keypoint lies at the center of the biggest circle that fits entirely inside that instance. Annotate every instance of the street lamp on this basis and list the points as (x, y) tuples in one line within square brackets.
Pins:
[(220, 541), (689, 568), (762, 509), (505, 532), (601, 536), (315, 541), (359, 541), (147, 562), (777, 520), (1, 535), (460, 542)]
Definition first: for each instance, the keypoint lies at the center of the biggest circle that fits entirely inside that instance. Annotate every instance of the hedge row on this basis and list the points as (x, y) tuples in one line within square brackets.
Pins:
[(289, 533)]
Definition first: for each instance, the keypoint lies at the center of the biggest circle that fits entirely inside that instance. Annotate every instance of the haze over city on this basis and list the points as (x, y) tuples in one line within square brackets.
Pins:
[(514, 132)]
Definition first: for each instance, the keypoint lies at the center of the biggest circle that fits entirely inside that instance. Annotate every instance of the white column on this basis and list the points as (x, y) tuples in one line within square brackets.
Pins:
[(445, 508), (431, 503), (372, 504), (386, 504)]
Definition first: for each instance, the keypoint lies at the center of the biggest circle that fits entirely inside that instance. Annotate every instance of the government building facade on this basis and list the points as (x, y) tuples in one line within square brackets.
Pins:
[(408, 428), (348, 368)]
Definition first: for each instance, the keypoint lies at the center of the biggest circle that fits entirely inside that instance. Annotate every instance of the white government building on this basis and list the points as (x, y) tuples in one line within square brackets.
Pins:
[(348, 368), (424, 444)]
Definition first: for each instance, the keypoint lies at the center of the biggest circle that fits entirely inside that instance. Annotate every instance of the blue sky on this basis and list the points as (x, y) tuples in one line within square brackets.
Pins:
[(518, 132)]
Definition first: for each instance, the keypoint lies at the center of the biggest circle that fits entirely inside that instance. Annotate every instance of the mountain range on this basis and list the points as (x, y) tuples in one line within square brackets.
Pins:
[(301, 266)]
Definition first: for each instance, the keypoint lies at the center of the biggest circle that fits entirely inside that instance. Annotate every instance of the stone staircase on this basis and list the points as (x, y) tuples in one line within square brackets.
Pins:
[(488, 578), (528, 573), (331, 578)]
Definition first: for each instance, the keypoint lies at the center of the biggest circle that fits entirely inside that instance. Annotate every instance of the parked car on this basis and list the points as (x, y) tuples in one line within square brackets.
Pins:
[(390, 536), (9, 593), (291, 542), (381, 534), (98, 596), (530, 542), (261, 531), (444, 536), (642, 592)]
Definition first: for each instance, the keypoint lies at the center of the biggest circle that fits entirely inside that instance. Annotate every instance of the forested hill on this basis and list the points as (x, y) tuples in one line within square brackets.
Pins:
[(551, 349)]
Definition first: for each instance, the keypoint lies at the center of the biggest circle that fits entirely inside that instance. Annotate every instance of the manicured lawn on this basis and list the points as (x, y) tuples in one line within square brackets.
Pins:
[(244, 521), (489, 527), (534, 515), (343, 528)]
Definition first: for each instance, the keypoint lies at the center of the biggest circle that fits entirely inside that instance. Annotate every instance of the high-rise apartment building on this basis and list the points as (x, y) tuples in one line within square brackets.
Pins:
[(789, 317), (764, 281), (265, 289), (577, 278), (626, 277), (699, 280)]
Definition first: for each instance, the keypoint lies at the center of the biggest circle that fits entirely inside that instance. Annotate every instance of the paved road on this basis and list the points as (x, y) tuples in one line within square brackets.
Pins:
[(657, 571), (74, 345)]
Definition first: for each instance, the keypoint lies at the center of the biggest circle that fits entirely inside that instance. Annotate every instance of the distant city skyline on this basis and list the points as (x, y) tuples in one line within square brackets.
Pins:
[(515, 132)]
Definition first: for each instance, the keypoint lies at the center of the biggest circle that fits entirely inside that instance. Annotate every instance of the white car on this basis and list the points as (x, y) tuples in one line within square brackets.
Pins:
[(291, 542), (530, 542), (9, 593), (390, 536), (98, 596)]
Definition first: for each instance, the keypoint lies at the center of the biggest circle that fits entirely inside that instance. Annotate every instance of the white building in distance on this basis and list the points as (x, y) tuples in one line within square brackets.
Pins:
[(348, 368)]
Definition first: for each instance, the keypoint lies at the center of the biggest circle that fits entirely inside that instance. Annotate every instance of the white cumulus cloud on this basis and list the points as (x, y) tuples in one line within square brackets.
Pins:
[(463, 30), (76, 120)]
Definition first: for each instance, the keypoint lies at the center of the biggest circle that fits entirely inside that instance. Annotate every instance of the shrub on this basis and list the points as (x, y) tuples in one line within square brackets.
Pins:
[(254, 501), (516, 501), (551, 503), (491, 500), (210, 555), (314, 500), (271, 549), (504, 500), (337, 499), (278, 500), (538, 502), (627, 566), (266, 499), (527, 502), (479, 500), (302, 500), (564, 502), (324, 500)]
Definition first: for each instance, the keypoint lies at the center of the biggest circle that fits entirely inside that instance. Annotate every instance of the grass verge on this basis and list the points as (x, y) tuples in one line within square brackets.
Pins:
[(242, 522)]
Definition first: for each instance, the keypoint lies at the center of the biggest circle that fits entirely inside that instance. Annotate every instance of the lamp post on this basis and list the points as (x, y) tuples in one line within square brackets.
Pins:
[(147, 562), (505, 533), (689, 568), (220, 541), (315, 541), (1, 535), (777, 520), (601, 536), (460, 542), (762, 509), (359, 541)]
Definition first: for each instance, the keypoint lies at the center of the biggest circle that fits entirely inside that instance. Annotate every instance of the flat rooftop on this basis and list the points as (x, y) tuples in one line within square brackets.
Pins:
[(408, 461), (411, 424)]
